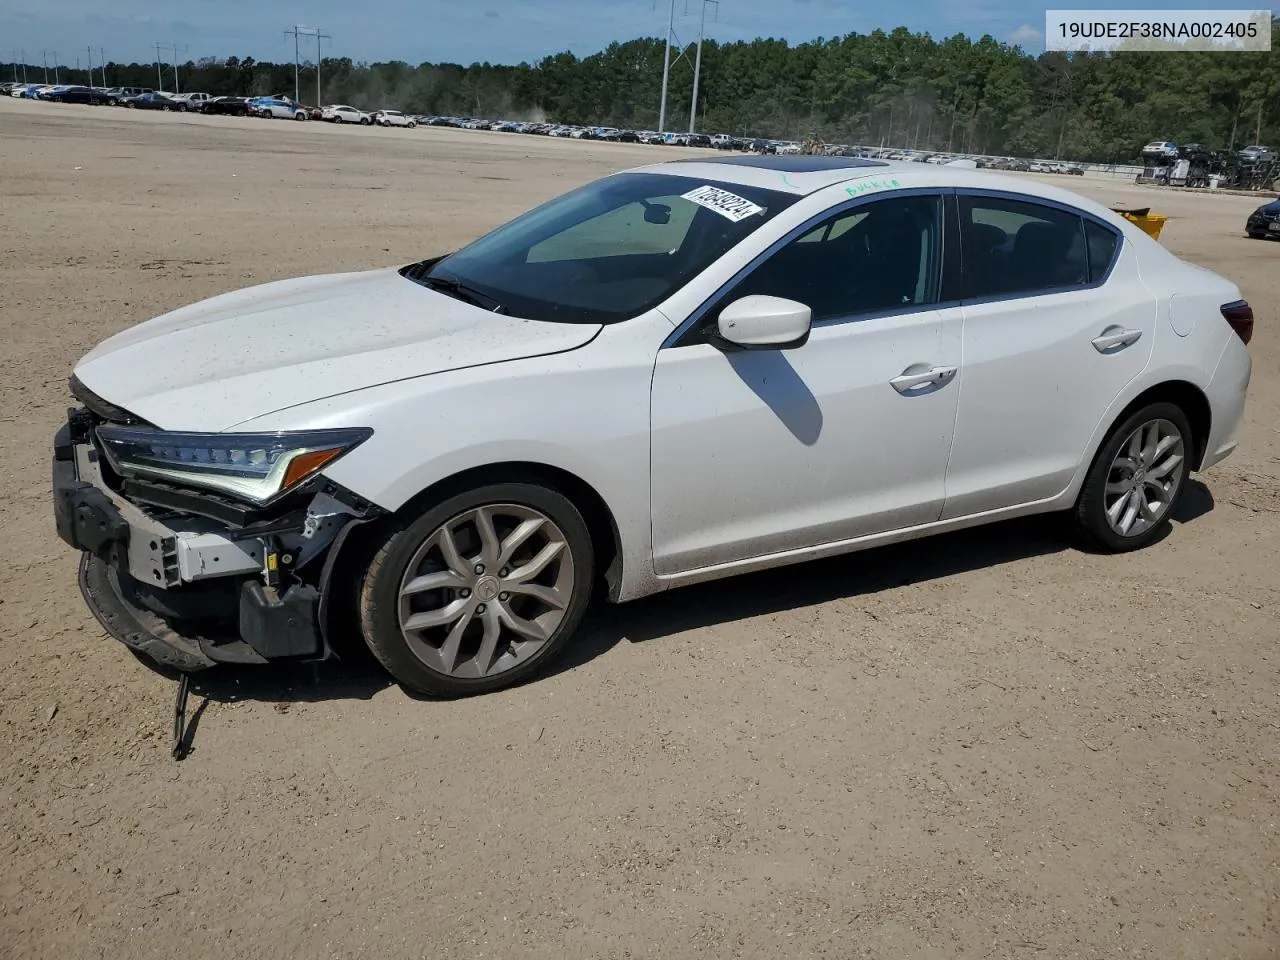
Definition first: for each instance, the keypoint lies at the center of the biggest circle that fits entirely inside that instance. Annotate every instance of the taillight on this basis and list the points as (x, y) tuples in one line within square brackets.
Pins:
[(1240, 315)]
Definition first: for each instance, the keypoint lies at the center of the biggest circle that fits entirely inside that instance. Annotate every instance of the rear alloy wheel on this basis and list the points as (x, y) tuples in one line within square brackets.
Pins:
[(480, 591), (1136, 480)]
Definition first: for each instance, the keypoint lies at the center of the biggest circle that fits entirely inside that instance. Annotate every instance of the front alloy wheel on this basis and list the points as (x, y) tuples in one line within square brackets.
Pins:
[(479, 592)]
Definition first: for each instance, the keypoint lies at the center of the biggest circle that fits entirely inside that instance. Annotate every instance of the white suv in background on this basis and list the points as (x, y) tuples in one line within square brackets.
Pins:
[(393, 118), (340, 113)]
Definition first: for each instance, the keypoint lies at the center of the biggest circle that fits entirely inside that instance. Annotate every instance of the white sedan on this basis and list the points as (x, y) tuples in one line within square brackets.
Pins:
[(393, 118), (340, 113), (677, 373)]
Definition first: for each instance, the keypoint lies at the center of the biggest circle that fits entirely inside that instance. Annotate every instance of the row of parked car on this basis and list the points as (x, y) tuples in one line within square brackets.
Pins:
[(145, 98), (284, 107)]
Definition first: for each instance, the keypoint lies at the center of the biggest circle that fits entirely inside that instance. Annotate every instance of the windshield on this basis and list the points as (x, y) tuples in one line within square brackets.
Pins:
[(607, 251)]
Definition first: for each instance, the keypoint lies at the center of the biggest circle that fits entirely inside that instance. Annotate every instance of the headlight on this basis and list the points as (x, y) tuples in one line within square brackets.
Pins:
[(252, 466)]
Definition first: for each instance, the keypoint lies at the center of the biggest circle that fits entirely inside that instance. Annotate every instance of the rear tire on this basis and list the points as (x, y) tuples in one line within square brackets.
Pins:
[(481, 629), (1136, 480)]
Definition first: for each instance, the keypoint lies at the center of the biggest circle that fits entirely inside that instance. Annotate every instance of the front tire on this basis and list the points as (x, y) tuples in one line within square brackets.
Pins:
[(1136, 480), (478, 592)]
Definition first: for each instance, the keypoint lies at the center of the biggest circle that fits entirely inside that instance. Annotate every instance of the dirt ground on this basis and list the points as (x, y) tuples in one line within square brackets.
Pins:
[(988, 745)]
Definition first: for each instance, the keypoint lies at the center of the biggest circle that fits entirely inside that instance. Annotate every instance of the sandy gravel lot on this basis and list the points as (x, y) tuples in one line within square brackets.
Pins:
[(987, 745)]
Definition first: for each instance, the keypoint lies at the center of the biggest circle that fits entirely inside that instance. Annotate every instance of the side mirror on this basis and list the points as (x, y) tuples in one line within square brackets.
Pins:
[(765, 323)]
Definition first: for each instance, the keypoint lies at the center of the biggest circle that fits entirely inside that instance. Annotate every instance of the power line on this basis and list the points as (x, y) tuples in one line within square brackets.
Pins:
[(296, 31), (697, 69), (668, 63), (666, 69), (170, 48)]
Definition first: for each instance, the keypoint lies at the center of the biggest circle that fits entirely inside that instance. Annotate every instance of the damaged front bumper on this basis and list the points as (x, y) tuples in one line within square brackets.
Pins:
[(191, 581)]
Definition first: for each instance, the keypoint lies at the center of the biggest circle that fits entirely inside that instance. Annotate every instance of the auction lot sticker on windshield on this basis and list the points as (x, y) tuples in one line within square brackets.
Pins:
[(723, 202)]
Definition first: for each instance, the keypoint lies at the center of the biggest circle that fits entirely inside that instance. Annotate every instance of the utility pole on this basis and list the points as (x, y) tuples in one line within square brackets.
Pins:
[(55, 67), (296, 31), (102, 64), (297, 91), (697, 68), (326, 36), (666, 69), (44, 59), (172, 49), (90, 49)]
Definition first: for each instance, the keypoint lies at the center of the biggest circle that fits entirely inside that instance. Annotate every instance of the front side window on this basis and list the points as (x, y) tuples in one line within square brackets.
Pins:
[(1019, 247), (877, 257), (608, 251)]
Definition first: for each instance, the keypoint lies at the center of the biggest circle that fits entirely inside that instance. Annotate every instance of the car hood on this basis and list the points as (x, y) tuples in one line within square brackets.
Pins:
[(217, 363), (1271, 208)]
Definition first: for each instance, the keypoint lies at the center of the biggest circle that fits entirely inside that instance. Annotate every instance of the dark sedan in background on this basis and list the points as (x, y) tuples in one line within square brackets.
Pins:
[(154, 101), (227, 106), (1265, 221), (92, 95)]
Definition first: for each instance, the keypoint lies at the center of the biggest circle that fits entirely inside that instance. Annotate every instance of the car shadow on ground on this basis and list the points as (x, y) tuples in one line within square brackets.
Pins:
[(359, 677), (821, 581)]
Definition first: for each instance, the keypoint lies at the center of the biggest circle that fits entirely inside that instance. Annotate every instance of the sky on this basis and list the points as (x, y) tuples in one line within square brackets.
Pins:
[(467, 31)]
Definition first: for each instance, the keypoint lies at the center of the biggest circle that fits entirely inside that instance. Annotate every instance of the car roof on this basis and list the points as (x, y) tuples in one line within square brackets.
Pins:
[(804, 175)]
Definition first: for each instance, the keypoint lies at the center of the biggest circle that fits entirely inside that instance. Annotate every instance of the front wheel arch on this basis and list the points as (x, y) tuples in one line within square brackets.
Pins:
[(606, 542), (354, 552)]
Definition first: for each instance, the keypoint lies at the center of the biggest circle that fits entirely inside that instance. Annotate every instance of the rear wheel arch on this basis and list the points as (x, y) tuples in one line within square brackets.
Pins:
[(1187, 397)]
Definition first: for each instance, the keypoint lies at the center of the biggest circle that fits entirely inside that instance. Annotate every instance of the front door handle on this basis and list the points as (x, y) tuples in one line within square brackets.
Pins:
[(1115, 338), (913, 378)]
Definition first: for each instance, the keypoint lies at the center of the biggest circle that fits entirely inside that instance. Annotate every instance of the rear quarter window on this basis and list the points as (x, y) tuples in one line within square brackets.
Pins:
[(1102, 244)]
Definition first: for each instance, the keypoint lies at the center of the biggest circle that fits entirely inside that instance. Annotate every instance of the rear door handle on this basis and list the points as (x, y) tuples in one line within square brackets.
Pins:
[(1115, 338), (934, 376)]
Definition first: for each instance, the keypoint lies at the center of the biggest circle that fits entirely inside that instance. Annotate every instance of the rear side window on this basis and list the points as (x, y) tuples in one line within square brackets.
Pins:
[(1014, 247), (1102, 245)]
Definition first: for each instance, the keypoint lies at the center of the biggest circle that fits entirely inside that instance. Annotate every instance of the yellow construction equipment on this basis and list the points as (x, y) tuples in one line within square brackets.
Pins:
[(1150, 223)]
